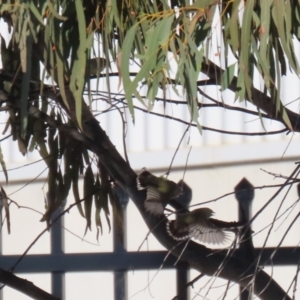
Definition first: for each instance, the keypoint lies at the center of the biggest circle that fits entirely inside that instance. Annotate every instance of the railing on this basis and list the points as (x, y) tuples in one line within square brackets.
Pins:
[(120, 261)]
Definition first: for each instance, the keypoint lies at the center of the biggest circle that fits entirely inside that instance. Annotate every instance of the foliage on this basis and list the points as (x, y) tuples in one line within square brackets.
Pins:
[(169, 42)]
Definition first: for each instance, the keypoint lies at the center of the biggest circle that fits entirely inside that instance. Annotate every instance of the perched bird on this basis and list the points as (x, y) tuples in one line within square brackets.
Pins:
[(185, 198), (159, 191), (198, 224), (95, 66)]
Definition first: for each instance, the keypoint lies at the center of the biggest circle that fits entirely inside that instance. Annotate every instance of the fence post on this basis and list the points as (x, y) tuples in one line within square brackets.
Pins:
[(119, 239), (182, 271), (57, 248), (244, 193)]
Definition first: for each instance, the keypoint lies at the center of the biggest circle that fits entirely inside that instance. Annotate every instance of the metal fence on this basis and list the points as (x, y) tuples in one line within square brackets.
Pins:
[(119, 261)]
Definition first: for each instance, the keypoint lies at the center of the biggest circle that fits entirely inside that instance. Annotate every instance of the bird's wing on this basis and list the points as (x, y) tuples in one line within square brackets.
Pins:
[(140, 179), (209, 234), (153, 203), (178, 233)]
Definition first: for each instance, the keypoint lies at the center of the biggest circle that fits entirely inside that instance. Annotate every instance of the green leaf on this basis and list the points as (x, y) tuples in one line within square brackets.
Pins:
[(98, 206), (76, 192), (61, 71), (5, 203), (245, 49), (3, 165), (55, 13), (126, 53), (234, 27), (88, 191), (35, 12), (39, 135), (201, 3), (227, 77), (193, 108), (77, 79), (285, 117), (101, 203), (25, 55), (279, 17)]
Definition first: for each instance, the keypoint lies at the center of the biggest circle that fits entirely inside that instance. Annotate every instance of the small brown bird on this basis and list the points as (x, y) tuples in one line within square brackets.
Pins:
[(198, 224), (159, 191)]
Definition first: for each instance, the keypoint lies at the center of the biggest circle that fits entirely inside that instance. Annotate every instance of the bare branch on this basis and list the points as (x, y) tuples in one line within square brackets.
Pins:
[(191, 283), (24, 286)]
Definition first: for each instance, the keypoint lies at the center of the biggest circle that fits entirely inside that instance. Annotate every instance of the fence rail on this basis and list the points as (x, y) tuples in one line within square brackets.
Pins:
[(121, 261)]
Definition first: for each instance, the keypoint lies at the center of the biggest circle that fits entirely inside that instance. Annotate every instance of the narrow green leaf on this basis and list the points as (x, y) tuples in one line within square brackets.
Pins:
[(279, 18), (3, 165), (26, 84), (227, 77), (77, 80), (5, 203), (262, 64), (234, 27), (88, 189), (55, 13), (193, 108), (126, 53), (76, 192), (285, 117), (245, 47), (158, 36), (98, 206), (35, 12)]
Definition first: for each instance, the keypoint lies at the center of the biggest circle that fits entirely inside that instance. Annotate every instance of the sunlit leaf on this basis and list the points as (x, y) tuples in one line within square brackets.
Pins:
[(245, 49), (227, 76), (126, 54), (77, 80)]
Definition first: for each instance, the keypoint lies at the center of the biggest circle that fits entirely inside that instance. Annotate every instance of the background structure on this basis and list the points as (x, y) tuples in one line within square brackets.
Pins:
[(212, 167)]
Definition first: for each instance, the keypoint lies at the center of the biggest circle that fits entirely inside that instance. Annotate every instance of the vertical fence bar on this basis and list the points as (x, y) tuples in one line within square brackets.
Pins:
[(182, 278), (183, 272), (57, 248), (119, 239), (244, 193), (1, 241)]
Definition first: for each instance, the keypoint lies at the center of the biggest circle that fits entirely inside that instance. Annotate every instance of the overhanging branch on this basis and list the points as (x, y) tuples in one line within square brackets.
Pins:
[(195, 255), (24, 286), (261, 100)]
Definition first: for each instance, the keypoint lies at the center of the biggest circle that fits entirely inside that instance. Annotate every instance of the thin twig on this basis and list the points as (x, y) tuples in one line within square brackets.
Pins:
[(172, 160), (229, 107), (190, 283), (226, 290), (213, 129), (205, 127), (47, 229), (28, 182)]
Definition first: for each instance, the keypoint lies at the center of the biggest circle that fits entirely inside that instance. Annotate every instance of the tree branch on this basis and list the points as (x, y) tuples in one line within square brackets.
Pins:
[(259, 99), (24, 286), (195, 255)]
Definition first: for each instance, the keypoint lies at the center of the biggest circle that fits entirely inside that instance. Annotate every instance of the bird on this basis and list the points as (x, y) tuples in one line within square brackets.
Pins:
[(95, 66), (160, 191), (199, 225)]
